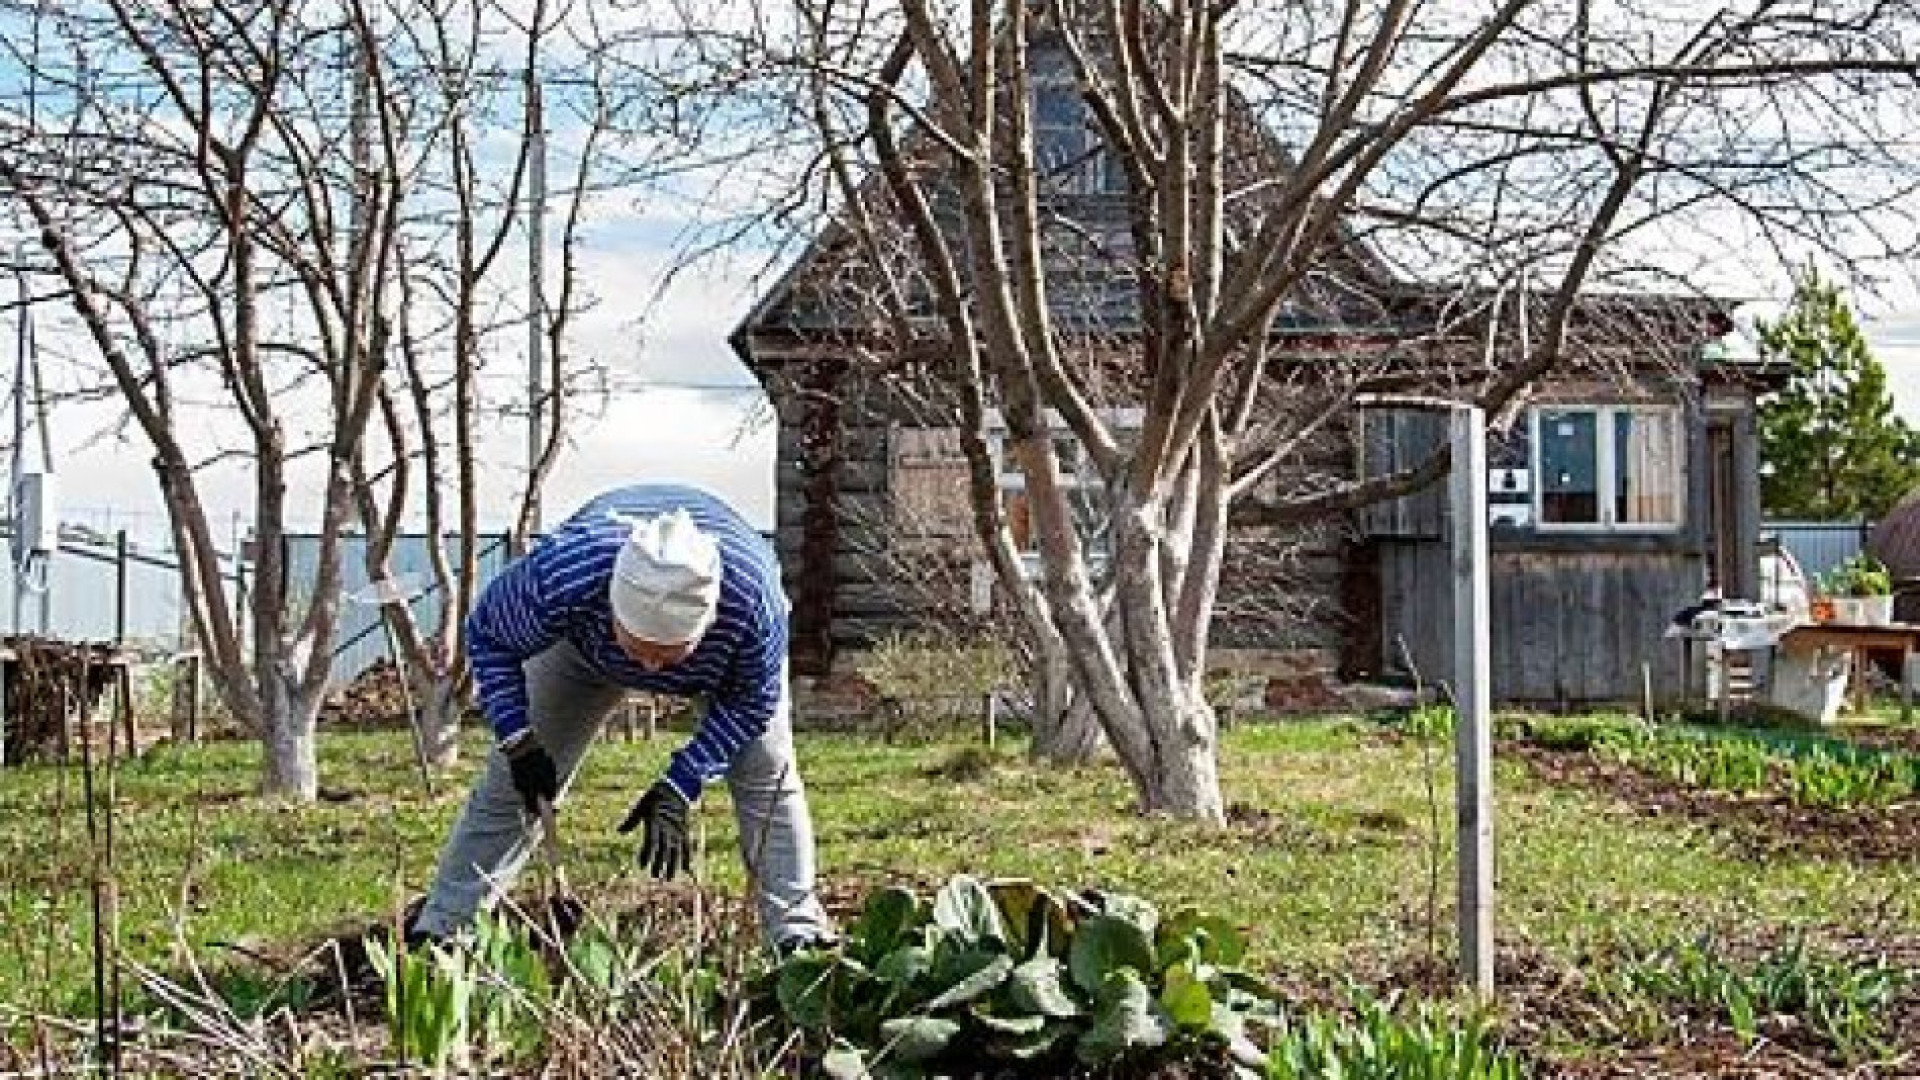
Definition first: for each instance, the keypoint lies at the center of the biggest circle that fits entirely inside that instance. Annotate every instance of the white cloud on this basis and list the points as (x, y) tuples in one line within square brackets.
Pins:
[(667, 434)]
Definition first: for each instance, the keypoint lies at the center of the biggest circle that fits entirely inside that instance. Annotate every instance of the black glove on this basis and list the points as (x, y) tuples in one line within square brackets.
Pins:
[(534, 775), (664, 850)]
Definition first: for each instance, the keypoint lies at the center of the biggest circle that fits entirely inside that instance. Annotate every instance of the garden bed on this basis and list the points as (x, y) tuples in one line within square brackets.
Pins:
[(1614, 1012), (1765, 823)]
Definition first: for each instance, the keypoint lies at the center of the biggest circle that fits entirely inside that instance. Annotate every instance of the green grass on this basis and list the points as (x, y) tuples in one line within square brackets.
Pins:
[(1328, 867)]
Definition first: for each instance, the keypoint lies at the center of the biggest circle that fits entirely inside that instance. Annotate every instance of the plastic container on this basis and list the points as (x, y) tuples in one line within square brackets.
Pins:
[(1810, 680)]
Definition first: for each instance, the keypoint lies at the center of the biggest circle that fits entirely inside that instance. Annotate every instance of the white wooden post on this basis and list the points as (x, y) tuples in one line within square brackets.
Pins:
[(1472, 682)]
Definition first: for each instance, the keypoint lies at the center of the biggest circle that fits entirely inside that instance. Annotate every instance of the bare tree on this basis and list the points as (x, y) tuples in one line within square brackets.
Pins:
[(238, 200), (185, 176), (469, 203), (1291, 204)]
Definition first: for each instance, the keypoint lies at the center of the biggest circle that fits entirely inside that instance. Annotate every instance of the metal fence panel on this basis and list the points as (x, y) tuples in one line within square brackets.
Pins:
[(1819, 546), (359, 641), (82, 586), (80, 594)]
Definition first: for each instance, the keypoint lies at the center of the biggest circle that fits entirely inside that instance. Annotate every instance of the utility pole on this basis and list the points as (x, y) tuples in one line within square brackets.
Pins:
[(35, 510), (536, 295), (22, 344)]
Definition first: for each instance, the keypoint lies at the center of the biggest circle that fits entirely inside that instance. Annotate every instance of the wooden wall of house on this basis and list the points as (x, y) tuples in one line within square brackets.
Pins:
[(1567, 627), (1575, 613), (826, 499), (1280, 588)]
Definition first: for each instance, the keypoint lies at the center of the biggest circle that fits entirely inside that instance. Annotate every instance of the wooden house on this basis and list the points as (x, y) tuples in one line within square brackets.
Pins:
[(1624, 485)]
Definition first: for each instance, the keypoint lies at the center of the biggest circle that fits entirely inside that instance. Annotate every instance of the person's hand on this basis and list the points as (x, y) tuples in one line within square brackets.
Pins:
[(534, 774), (664, 850)]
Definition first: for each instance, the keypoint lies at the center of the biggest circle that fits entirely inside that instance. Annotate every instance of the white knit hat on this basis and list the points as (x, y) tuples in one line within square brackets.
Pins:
[(666, 580)]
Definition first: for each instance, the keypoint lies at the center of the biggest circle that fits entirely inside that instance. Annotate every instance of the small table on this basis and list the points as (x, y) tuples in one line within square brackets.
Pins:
[(1903, 638)]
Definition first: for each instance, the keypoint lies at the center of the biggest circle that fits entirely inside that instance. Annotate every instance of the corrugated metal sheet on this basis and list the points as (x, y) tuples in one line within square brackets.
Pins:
[(359, 640), (1818, 546)]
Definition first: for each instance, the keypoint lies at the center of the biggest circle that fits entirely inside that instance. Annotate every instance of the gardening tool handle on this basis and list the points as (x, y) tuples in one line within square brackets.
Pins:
[(550, 840)]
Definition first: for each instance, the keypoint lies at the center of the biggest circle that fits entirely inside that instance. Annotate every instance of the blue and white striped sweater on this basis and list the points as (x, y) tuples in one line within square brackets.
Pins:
[(558, 591)]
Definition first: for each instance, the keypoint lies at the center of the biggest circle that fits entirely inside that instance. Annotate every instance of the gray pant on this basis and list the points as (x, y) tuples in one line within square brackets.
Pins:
[(568, 701)]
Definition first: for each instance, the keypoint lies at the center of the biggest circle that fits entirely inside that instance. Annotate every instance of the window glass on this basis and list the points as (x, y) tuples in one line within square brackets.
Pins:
[(1060, 135), (1647, 468), (1086, 495), (1569, 467)]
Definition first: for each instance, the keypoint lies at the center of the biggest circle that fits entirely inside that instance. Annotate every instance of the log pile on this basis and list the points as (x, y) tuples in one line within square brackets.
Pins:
[(373, 701), (46, 681)]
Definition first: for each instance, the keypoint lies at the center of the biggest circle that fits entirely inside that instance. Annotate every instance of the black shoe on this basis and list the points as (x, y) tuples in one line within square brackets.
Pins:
[(794, 943), (411, 935)]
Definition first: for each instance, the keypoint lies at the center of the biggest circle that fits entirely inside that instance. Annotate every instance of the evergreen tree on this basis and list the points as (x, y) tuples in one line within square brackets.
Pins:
[(1834, 446)]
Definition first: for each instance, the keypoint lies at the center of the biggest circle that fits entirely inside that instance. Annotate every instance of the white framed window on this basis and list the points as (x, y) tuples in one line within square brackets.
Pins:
[(1611, 468)]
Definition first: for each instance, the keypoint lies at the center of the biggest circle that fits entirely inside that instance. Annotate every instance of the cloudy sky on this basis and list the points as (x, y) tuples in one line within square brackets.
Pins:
[(681, 407), (1896, 340)]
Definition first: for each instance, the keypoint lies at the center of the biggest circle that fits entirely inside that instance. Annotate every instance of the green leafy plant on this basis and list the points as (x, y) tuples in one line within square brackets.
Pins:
[(448, 1003), (1720, 764), (429, 999), (1604, 734), (514, 990), (1388, 1040), (1010, 977), (1817, 772), (1838, 781), (1860, 575), (1434, 722)]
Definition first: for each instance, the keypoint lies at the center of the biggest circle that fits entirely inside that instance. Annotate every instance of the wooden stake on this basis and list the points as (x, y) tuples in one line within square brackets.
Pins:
[(1473, 685)]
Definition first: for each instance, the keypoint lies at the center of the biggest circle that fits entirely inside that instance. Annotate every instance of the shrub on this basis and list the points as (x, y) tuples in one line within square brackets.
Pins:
[(920, 665), (1011, 978), (922, 677)]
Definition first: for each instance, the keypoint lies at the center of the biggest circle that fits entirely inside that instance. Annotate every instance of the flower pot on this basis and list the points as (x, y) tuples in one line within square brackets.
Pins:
[(1863, 610), (1876, 610)]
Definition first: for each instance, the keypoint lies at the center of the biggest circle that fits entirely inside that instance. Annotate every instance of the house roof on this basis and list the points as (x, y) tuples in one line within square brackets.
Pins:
[(1896, 540), (1355, 295)]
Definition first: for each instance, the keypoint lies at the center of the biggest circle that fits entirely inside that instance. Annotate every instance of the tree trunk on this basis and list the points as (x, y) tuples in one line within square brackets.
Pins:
[(1164, 729), (290, 768), (1187, 782), (437, 700), (1065, 729)]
